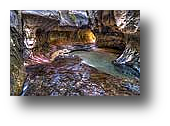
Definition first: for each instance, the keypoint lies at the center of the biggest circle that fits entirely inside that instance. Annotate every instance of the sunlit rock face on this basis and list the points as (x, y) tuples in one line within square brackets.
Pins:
[(30, 38), (81, 36), (17, 71), (57, 27)]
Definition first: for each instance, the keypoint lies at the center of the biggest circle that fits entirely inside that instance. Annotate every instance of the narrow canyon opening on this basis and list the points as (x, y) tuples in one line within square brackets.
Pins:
[(74, 52)]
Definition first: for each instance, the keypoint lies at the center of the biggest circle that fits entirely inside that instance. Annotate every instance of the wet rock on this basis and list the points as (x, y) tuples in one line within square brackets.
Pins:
[(127, 70), (79, 83), (92, 89), (24, 89), (80, 48), (54, 94), (132, 87), (75, 94), (69, 77), (85, 76), (130, 58)]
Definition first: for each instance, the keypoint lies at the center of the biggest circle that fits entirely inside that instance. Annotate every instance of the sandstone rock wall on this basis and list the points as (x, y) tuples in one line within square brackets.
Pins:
[(107, 32), (118, 29), (129, 24), (113, 27), (130, 57), (128, 21), (80, 36), (17, 72)]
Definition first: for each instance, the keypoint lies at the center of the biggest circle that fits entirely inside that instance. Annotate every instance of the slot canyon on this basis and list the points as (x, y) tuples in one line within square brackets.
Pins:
[(74, 52)]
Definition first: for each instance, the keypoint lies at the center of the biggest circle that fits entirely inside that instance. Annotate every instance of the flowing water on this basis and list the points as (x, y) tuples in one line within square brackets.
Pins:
[(80, 73), (101, 59)]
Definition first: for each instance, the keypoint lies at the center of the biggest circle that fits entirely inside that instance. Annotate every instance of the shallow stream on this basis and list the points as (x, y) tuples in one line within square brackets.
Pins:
[(80, 73)]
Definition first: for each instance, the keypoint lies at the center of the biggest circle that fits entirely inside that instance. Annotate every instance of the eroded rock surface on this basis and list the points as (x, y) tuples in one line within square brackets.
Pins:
[(129, 23), (131, 55), (17, 71)]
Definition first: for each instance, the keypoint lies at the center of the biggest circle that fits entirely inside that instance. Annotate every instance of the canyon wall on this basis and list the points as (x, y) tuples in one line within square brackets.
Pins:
[(129, 24), (17, 71)]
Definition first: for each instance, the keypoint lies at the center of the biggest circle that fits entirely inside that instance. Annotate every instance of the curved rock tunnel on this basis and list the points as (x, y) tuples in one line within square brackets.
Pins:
[(74, 53)]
